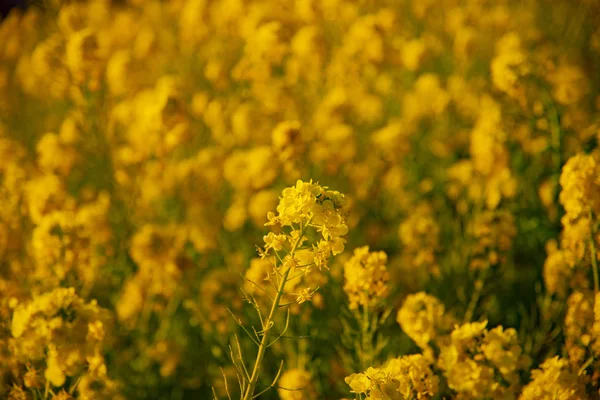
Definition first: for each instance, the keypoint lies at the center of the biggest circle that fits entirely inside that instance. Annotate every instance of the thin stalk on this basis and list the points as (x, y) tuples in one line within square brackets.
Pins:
[(479, 284), (366, 339), (249, 393), (594, 256), (556, 140), (263, 343), (585, 365)]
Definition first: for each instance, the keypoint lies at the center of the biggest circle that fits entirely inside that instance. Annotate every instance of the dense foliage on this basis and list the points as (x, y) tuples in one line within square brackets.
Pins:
[(300, 199)]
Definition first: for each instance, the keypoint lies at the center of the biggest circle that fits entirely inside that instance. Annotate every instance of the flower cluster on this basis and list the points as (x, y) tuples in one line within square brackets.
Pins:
[(554, 380), (422, 317), (366, 278), (301, 207), (579, 197), (296, 384), (66, 334), (402, 378), (475, 356), (493, 233), (419, 235)]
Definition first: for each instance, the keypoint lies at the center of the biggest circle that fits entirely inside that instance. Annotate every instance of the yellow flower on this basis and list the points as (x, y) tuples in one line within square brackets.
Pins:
[(413, 376), (156, 246), (554, 380), (61, 328), (54, 373), (580, 188), (422, 318), (251, 169), (570, 84), (475, 356), (578, 326), (275, 242), (83, 54), (413, 53), (298, 383), (428, 99), (509, 65), (400, 378), (359, 383), (557, 271), (494, 232), (365, 278), (259, 204), (419, 235)]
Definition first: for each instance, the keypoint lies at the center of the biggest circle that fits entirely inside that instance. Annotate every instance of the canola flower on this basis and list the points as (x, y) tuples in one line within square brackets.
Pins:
[(366, 278), (422, 317), (366, 286), (296, 384), (407, 377), (474, 357), (45, 328), (305, 207)]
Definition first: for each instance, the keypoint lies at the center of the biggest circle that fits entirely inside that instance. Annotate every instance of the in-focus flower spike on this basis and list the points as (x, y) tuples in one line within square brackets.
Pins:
[(309, 226), (309, 205)]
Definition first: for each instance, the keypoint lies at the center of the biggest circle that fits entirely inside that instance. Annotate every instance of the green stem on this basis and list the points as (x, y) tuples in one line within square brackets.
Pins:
[(556, 150), (367, 340), (479, 283), (249, 393), (585, 365), (594, 256)]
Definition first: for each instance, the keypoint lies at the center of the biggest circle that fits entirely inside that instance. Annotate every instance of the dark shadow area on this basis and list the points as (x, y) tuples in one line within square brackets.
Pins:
[(7, 5)]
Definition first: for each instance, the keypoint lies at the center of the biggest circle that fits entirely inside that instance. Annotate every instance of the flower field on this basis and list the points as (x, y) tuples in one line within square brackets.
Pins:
[(300, 200)]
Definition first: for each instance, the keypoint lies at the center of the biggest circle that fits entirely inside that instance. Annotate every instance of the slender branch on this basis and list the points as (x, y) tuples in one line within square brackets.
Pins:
[(298, 275), (241, 357), (272, 385), (250, 299), (239, 372), (243, 327), (285, 328), (226, 386), (287, 304), (258, 286)]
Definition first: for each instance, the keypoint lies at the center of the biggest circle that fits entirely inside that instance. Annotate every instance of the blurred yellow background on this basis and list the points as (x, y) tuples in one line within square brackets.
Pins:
[(143, 143)]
